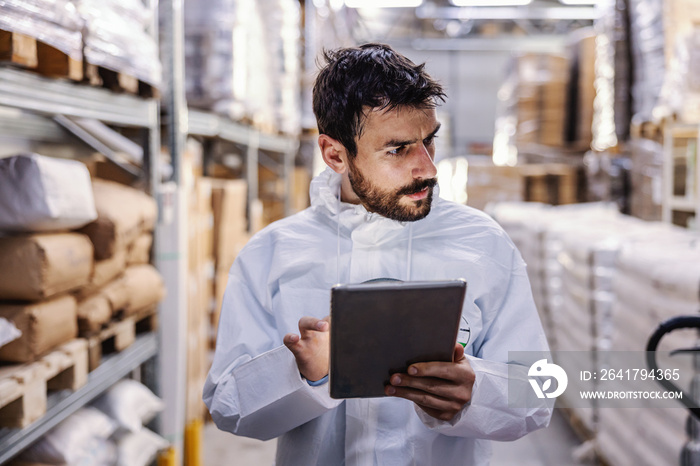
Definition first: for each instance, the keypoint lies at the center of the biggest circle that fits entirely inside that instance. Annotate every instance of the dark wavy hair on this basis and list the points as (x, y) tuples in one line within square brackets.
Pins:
[(371, 76)]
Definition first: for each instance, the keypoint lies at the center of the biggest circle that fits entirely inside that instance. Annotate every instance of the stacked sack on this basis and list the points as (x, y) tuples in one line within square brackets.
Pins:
[(77, 254), (652, 285), (123, 283), (42, 262), (603, 283), (109, 432)]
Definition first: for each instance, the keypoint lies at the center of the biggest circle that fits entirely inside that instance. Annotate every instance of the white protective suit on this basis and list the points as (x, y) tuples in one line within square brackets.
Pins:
[(286, 272)]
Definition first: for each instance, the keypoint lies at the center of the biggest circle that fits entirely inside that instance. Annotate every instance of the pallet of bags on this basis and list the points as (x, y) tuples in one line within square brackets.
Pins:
[(121, 298), (38, 273), (651, 284)]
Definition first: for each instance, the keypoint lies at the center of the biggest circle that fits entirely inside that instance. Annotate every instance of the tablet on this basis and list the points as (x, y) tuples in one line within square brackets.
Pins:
[(379, 329)]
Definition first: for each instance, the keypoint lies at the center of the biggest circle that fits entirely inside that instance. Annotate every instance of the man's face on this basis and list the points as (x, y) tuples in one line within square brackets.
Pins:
[(394, 172)]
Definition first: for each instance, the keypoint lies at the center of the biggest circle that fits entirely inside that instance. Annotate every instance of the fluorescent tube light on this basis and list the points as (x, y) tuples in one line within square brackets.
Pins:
[(490, 2), (383, 3), (579, 2)]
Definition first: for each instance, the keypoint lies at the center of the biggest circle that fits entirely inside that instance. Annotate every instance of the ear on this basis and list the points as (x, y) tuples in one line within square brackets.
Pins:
[(334, 153)]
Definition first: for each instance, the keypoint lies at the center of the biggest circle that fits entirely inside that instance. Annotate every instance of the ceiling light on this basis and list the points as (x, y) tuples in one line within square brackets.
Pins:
[(383, 3), (490, 2), (579, 2)]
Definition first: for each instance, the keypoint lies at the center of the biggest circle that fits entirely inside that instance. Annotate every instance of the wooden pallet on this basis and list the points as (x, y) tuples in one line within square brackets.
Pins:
[(119, 334), (24, 387), (27, 52), (118, 82), (18, 49)]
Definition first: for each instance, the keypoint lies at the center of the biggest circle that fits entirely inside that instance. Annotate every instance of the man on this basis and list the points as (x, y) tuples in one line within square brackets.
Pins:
[(374, 214)]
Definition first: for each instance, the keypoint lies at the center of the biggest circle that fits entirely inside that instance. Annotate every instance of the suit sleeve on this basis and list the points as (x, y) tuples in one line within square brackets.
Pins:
[(513, 326), (254, 388)]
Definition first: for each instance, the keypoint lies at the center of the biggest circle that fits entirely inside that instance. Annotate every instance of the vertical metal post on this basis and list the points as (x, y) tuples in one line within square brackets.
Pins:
[(171, 254)]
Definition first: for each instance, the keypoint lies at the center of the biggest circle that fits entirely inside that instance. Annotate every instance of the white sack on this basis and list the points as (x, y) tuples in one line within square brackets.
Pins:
[(39, 193)]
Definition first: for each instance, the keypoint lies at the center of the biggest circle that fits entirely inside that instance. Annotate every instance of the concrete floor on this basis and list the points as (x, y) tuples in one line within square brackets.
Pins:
[(553, 446)]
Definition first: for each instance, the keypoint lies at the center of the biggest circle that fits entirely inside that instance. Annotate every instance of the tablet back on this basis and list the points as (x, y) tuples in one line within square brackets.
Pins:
[(379, 329)]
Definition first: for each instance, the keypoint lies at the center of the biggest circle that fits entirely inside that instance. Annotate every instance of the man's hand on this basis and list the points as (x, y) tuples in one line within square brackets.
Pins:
[(441, 389), (311, 348)]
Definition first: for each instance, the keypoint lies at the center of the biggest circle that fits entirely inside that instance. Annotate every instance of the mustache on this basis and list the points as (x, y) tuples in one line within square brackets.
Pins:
[(417, 186)]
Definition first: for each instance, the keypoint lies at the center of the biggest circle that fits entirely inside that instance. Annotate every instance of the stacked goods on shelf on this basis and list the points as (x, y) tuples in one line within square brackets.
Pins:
[(243, 60), (109, 431), (216, 49), (613, 78), (271, 192), (480, 182), (650, 286), (601, 284), (200, 293), (486, 182), (43, 35), (647, 40), (124, 289), (646, 179), (300, 189), (282, 31), (581, 89), (541, 99), (41, 263), (680, 96), (230, 235), (550, 183), (116, 38)]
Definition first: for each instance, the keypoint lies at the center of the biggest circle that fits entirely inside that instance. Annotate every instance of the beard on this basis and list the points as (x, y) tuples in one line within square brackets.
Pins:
[(388, 203)]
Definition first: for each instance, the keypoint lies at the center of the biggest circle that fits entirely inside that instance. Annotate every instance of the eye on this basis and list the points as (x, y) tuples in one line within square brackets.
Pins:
[(430, 140), (398, 151)]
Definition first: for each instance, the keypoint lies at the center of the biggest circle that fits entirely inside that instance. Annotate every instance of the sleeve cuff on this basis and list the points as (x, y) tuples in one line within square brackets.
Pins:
[(318, 382)]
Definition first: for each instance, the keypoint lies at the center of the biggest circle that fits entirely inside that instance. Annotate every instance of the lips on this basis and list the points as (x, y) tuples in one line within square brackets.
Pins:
[(422, 194)]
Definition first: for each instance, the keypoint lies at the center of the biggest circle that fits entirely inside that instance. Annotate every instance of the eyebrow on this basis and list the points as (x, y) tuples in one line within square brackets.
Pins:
[(398, 143)]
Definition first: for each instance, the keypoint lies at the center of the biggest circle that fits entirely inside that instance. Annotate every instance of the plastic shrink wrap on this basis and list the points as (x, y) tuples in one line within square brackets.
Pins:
[(117, 38), (53, 22)]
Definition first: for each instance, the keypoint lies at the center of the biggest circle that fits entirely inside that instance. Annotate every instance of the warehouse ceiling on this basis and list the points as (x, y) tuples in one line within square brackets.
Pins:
[(440, 24)]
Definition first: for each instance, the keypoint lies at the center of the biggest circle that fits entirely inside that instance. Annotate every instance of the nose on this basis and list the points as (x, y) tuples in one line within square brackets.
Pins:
[(424, 166)]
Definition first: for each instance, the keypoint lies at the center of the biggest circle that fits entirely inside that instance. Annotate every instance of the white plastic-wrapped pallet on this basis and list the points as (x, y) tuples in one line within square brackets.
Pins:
[(39, 193), (116, 38), (282, 30), (53, 22)]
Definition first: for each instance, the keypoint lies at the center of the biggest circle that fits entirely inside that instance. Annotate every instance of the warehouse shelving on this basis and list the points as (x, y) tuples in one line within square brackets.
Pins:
[(206, 124), (681, 151), (63, 404), (29, 108)]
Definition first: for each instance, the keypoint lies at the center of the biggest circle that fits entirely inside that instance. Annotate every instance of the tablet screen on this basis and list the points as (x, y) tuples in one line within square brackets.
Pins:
[(379, 329)]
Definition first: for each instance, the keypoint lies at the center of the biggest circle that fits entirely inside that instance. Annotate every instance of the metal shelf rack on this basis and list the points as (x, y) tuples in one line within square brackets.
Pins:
[(64, 403), (28, 105), (206, 124)]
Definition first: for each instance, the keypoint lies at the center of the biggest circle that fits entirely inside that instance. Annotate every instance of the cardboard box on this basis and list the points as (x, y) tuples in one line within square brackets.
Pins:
[(487, 182), (229, 200), (44, 325), (36, 267), (144, 287), (123, 213)]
